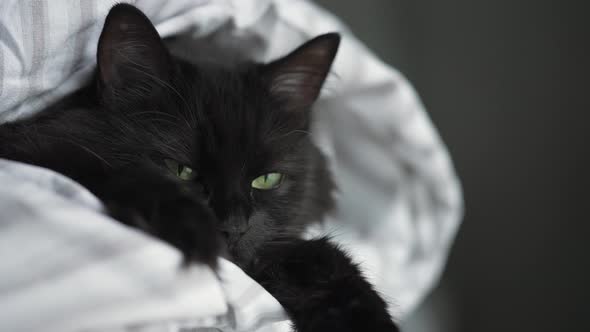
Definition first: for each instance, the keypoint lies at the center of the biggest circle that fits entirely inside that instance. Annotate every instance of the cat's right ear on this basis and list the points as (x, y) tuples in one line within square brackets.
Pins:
[(298, 77), (132, 59)]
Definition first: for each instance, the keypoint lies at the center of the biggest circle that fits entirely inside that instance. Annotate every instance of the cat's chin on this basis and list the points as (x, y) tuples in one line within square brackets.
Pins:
[(240, 254)]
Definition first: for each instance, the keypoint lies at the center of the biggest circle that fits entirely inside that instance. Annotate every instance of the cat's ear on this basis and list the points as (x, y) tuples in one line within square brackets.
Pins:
[(298, 77), (131, 56)]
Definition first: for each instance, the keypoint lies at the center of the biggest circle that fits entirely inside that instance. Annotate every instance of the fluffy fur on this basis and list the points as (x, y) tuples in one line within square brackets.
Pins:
[(231, 124)]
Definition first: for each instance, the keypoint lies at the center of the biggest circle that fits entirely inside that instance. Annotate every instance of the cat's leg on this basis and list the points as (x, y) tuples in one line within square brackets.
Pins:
[(320, 287), (170, 209)]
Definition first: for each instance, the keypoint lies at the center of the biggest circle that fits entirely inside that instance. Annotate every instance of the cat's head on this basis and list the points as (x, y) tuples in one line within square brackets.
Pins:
[(239, 132)]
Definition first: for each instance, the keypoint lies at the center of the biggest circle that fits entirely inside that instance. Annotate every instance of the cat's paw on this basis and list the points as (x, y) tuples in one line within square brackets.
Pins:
[(189, 225), (321, 288), (349, 315), (179, 219)]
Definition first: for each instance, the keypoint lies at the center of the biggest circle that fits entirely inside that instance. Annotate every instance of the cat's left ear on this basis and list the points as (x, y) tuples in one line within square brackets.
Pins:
[(132, 58), (298, 77)]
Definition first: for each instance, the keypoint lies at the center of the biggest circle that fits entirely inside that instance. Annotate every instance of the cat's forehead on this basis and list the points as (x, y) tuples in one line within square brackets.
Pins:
[(237, 100), (240, 122)]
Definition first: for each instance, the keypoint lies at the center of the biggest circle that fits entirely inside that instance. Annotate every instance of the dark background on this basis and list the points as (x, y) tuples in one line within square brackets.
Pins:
[(506, 84)]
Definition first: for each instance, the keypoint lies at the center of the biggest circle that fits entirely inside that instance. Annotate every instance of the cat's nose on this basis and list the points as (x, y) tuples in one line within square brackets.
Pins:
[(233, 229), (232, 237)]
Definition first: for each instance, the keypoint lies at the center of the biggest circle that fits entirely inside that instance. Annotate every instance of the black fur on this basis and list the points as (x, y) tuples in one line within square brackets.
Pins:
[(231, 124), (315, 276)]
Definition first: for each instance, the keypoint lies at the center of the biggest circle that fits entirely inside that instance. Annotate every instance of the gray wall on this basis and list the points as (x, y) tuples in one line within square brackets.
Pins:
[(505, 83)]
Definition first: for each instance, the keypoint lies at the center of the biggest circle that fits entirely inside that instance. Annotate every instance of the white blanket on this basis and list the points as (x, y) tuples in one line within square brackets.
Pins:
[(67, 267)]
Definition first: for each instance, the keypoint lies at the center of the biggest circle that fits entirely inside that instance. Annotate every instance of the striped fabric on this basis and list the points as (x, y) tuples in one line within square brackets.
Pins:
[(68, 267)]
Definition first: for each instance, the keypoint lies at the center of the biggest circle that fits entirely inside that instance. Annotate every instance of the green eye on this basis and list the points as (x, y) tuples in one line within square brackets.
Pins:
[(182, 171), (267, 181)]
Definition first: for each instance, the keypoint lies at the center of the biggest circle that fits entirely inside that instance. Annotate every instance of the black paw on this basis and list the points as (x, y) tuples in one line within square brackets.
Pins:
[(348, 312), (189, 225), (321, 288), (179, 219)]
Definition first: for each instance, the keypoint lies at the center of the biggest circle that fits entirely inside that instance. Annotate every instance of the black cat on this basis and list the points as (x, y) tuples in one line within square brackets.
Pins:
[(213, 159)]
